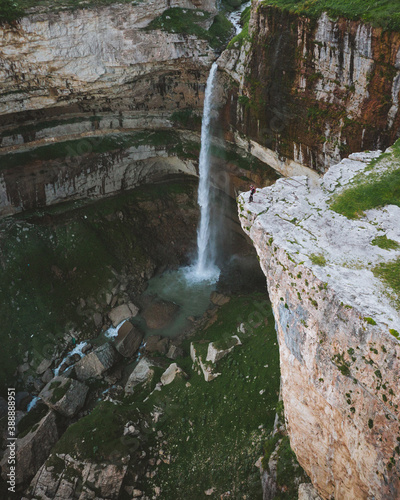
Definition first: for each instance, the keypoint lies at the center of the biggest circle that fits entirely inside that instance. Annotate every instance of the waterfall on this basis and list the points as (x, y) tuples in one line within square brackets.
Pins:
[(204, 267)]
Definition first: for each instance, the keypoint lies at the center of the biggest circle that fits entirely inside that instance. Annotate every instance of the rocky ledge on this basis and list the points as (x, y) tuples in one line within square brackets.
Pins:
[(337, 325)]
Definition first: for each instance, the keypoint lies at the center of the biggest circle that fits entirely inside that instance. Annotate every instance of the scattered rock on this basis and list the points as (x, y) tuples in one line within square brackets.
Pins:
[(209, 492), (96, 363), (170, 373), (214, 353), (23, 368), (159, 314), (65, 395), (122, 312), (142, 372), (33, 449), (86, 348), (137, 493), (128, 340), (219, 299)]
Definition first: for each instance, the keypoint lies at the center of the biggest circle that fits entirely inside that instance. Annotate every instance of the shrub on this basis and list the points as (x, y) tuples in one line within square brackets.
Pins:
[(10, 11)]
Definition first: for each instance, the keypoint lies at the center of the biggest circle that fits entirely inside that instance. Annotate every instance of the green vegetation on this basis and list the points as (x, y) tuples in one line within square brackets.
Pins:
[(32, 418), (389, 272), (385, 243), (60, 391), (394, 332), (213, 426), (318, 259), (372, 191), (50, 5), (51, 258), (244, 34), (66, 150), (189, 22), (230, 5), (10, 11), (370, 321), (385, 13), (187, 118)]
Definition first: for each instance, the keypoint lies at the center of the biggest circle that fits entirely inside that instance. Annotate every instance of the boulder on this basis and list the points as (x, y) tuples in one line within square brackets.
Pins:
[(155, 343), (170, 373), (215, 353), (96, 363), (47, 375), (142, 372), (22, 399), (122, 312), (65, 395), (44, 366), (33, 449), (159, 314), (175, 352), (78, 479), (128, 340)]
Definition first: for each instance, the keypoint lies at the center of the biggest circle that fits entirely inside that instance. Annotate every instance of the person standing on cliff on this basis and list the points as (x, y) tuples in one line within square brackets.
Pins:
[(252, 191)]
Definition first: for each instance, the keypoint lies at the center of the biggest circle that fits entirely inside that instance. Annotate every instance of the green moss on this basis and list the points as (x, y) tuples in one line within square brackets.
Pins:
[(370, 321), (385, 14), (186, 118), (394, 332), (288, 472), (32, 418), (385, 243), (60, 391), (238, 40), (318, 259), (342, 365)]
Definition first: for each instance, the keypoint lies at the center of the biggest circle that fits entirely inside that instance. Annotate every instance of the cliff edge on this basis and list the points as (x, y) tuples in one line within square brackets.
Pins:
[(332, 283)]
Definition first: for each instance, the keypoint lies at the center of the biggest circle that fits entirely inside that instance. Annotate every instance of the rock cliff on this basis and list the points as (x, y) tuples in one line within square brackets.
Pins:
[(75, 86), (336, 323), (311, 91)]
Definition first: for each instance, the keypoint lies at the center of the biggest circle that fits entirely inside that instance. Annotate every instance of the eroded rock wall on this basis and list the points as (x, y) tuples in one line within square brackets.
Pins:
[(311, 91)]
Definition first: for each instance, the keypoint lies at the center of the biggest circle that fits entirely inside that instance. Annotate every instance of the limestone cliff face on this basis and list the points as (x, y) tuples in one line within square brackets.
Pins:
[(87, 102), (339, 362), (311, 91)]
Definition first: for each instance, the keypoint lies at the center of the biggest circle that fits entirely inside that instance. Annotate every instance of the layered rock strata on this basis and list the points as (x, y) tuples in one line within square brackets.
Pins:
[(335, 323), (310, 91)]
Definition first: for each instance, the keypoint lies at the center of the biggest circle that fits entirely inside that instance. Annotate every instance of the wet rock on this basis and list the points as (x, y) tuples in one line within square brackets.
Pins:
[(170, 373), (67, 396), (159, 314), (97, 362), (33, 449), (86, 348), (128, 340), (38, 385), (43, 366), (142, 372), (122, 312)]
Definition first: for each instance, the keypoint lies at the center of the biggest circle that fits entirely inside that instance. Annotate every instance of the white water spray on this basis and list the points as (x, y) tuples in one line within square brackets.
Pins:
[(205, 268)]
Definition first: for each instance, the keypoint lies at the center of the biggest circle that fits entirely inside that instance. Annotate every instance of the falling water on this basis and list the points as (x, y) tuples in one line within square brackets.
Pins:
[(204, 267)]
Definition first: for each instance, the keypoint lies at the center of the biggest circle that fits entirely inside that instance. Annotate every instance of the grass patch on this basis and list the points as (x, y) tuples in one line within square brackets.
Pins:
[(376, 190), (318, 259), (188, 22), (60, 391), (10, 11), (389, 273), (32, 418), (214, 426), (385, 243), (385, 13)]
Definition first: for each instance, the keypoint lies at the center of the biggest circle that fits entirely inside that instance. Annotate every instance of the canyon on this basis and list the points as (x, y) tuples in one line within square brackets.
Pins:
[(97, 101)]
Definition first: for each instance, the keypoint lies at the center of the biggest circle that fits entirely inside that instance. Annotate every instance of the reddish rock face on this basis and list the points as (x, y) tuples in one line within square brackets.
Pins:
[(314, 90)]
